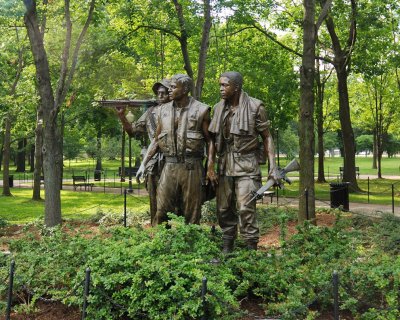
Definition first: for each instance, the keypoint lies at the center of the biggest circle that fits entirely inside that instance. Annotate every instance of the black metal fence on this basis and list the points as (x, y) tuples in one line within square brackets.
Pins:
[(85, 286)]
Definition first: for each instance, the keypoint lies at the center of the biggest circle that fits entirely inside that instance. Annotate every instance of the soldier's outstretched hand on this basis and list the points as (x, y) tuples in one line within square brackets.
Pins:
[(212, 177), (275, 174), (140, 173)]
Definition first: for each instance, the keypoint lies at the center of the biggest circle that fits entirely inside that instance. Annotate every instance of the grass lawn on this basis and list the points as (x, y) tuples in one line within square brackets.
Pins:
[(390, 166), (75, 205), (380, 191), (82, 205)]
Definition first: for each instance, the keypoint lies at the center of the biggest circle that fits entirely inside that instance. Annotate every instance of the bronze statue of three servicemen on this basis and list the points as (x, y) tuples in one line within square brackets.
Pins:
[(182, 133)]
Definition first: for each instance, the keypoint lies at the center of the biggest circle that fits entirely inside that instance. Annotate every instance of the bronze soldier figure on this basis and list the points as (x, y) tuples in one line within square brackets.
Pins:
[(238, 121), (182, 132), (148, 123)]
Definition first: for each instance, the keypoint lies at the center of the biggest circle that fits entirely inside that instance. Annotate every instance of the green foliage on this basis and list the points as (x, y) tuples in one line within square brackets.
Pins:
[(365, 143), (208, 212), (157, 273), (72, 145), (386, 233), (392, 145), (300, 275), (140, 273), (288, 142)]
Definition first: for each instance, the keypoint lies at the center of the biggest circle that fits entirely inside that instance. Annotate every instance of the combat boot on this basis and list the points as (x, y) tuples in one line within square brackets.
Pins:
[(228, 246), (251, 244)]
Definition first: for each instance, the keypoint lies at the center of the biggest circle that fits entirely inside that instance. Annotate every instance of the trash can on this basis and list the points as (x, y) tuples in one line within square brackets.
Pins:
[(340, 195), (97, 175), (11, 181)]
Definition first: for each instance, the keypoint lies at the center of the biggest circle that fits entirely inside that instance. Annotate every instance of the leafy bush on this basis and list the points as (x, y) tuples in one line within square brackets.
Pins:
[(157, 273), (386, 233), (292, 280), (146, 274)]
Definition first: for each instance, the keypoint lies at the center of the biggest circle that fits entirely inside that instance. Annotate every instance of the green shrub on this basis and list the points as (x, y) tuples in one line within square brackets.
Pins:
[(142, 274), (157, 273)]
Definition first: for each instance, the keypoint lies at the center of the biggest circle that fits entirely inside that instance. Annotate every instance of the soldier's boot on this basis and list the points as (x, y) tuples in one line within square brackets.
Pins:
[(228, 246), (251, 244)]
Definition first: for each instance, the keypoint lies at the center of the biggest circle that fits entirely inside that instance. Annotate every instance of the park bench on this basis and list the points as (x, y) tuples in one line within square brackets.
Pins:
[(80, 181), (357, 172), (268, 193), (134, 171)]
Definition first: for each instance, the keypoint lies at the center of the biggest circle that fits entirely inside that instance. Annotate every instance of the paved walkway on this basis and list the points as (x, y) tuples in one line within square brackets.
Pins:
[(367, 209), (359, 208)]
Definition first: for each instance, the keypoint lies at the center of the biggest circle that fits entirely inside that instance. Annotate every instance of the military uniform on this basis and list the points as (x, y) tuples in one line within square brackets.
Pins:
[(237, 131), (182, 143), (147, 123)]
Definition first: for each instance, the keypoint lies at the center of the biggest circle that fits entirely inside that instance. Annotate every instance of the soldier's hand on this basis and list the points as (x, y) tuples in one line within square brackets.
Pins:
[(139, 173), (120, 110), (212, 177), (274, 174)]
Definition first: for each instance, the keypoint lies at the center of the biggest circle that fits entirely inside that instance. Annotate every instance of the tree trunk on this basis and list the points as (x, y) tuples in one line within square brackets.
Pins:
[(20, 159), (32, 158), (380, 164), (50, 104), (374, 152), (203, 49), (51, 148), (6, 156), (52, 159), (320, 127), (306, 125), (123, 155), (349, 165), (62, 149), (38, 157), (1, 151), (183, 39), (98, 150)]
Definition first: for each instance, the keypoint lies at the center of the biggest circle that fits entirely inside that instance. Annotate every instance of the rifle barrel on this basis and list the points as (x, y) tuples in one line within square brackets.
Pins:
[(127, 103)]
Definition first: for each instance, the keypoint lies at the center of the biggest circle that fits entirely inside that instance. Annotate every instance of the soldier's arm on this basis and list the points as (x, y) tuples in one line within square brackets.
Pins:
[(153, 147), (211, 175), (268, 142), (125, 124), (136, 127), (269, 148)]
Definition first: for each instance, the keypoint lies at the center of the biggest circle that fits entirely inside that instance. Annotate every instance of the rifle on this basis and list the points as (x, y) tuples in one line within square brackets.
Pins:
[(127, 103), (291, 166)]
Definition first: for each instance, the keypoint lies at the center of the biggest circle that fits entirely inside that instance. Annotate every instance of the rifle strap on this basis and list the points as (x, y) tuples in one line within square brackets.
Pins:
[(152, 120)]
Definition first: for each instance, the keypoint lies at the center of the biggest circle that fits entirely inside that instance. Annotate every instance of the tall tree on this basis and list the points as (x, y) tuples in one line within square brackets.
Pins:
[(185, 22), (306, 113), (51, 101), (11, 75), (341, 62), (321, 79)]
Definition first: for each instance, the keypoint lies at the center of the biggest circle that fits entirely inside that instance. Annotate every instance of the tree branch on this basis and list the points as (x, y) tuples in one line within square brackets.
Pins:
[(323, 14), (64, 59), (183, 39), (77, 48), (20, 66), (272, 38), (353, 27), (167, 31), (203, 49)]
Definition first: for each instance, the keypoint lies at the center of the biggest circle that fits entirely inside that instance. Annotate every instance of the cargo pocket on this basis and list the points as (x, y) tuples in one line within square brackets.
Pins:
[(162, 142), (245, 162), (194, 142)]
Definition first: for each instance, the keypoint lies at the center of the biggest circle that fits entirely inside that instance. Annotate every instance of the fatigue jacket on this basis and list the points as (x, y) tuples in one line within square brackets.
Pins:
[(237, 136), (187, 139), (147, 122)]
